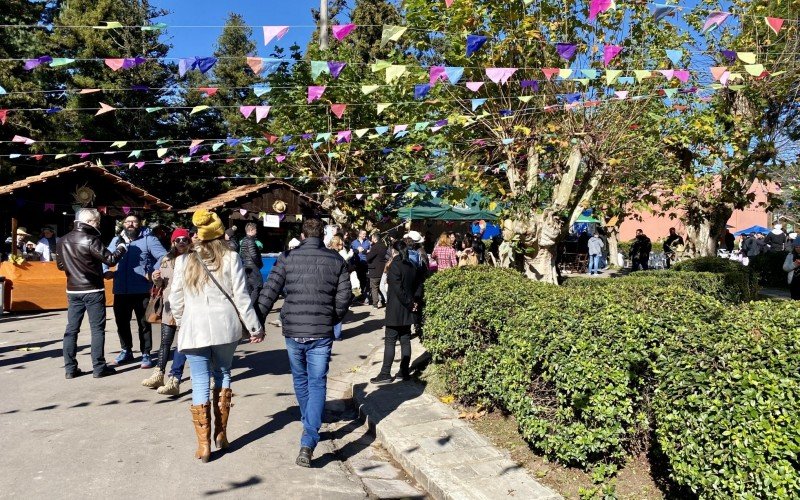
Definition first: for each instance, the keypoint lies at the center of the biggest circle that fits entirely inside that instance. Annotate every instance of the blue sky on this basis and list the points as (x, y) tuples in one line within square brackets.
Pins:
[(200, 41)]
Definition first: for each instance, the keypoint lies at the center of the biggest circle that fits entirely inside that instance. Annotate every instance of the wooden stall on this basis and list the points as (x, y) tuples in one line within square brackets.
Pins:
[(277, 207), (52, 199)]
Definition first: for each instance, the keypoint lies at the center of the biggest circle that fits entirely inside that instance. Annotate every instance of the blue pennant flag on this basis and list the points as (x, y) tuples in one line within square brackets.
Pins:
[(474, 43)]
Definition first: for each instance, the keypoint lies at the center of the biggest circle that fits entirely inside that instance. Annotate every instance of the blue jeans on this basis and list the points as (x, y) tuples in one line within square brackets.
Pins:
[(78, 304), (594, 261), (337, 331), (309, 363), (201, 363), (178, 360)]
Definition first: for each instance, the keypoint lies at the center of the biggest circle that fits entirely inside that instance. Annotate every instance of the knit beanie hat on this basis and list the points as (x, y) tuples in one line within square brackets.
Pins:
[(178, 233), (209, 226)]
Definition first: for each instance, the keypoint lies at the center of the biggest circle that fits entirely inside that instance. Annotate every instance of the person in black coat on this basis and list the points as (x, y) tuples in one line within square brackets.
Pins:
[(376, 261), (251, 259), (640, 251), (405, 291), (316, 284)]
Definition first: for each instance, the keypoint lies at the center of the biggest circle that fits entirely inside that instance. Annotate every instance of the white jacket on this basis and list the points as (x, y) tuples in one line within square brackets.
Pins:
[(43, 247), (788, 266), (209, 318)]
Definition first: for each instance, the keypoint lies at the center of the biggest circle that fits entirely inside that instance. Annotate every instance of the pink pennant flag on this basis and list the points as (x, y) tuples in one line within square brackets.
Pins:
[(343, 136), (598, 6), (610, 52), (126, 210), (399, 128), (724, 78), (682, 75), (359, 196), (24, 140), (196, 142), (448, 3), (262, 112), (247, 110), (338, 109), (715, 19), (139, 164), (39, 157), (775, 23), (256, 64), (474, 86), (342, 30), (280, 158), (500, 75), (549, 72), (115, 64), (437, 73), (205, 158), (668, 73), (621, 94), (104, 108), (315, 92), (49, 207), (3, 116), (718, 71), (88, 91), (209, 91), (243, 211), (271, 32)]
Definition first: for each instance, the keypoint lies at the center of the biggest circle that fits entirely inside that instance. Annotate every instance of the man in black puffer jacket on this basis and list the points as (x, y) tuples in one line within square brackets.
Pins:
[(251, 259), (317, 288)]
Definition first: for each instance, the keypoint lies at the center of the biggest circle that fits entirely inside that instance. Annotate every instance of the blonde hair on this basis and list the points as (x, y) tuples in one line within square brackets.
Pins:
[(212, 253), (336, 243), (444, 240)]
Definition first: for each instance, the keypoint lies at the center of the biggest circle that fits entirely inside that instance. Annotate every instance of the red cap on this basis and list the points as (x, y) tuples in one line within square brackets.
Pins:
[(178, 232)]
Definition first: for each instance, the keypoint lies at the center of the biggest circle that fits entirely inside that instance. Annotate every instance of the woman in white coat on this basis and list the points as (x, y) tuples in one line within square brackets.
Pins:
[(208, 298)]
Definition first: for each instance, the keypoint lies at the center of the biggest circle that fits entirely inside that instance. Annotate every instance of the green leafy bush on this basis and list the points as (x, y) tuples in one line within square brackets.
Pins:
[(579, 367), (769, 268), (737, 276)]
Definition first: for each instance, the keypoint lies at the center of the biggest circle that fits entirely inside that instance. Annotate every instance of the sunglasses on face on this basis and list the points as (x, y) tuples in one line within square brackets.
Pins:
[(182, 239)]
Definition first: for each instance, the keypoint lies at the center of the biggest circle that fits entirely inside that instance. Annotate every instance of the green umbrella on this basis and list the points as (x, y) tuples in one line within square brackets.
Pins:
[(588, 218)]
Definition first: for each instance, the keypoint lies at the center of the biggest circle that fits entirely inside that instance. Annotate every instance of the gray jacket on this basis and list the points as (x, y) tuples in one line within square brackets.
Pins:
[(595, 245)]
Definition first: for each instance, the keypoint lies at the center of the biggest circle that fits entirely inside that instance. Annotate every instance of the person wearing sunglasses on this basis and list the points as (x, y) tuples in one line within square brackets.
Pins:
[(162, 278)]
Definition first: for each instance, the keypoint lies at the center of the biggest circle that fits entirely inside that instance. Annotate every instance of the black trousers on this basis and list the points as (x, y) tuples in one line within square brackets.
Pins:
[(363, 281), (255, 283), (124, 307), (393, 333), (641, 263), (375, 287), (167, 336), (79, 304)]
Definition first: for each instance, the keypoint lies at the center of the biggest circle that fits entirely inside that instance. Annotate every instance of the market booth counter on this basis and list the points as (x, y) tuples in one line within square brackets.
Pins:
[(38, 286), (51, 199)]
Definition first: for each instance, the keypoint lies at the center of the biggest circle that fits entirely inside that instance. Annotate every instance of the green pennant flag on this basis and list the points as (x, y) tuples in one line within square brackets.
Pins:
[(319, 67), (135, 153), (392, 33), (217, 145), (324, 136), (61, 61), (368, 89), (379, 65), (421, 125), (155, 27), (110, 25), (153, 110), (612, 75), (161, 141), (246, 148), (186, 159), (333, 155)]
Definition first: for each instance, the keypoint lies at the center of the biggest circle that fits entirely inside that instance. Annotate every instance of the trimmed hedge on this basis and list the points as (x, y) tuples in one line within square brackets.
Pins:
[(580, 371), (737, 276)]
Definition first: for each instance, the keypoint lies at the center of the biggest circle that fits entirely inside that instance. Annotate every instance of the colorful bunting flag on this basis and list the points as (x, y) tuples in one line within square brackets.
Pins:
[(338, 109), (454, 73), (110, 25), (660, 11), (315, 92), (262, 112), (115, 64), (198, 109), (500, 75), (437, 73), (682, 75), (209, 91), (474, 86), (674, 55), (24, 140), (610, 52), (342, 30), (564, 73), (382, 107), (368, 89), (256, 64), (61, 61), (747, 57), (566, 51), (718, 71), (611, 75), (421, 90), (598, 6), (774, 23), (754, 69), (336, 67), (343, 136), (549, 72), (319, 67), (476, 103), (104, 108), (392, 33), (246, 111), (714, 20), (261, 88), (474, 43), (271, 32), (395, 71)]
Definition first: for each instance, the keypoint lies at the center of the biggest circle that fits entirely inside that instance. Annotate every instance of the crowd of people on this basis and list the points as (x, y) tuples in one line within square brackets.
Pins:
[(31, 248)]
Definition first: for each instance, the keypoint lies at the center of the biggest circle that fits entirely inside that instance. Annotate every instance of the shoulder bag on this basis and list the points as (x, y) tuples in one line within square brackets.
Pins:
[(155, 306), (245, 332)]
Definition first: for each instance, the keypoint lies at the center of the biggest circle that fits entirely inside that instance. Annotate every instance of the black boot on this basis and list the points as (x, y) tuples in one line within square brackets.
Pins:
[(304, 458)]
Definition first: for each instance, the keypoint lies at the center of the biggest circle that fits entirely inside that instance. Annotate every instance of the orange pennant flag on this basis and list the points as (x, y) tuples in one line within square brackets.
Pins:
[(104, 108), (208, 90), (256, 64), (718, 71)]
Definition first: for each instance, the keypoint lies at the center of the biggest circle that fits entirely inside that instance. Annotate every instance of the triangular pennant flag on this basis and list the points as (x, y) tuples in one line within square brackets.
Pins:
[(368, 89), (421, 125), (119, 144), (621, 94), (718, 71), (154, 27), (379, 65), (500, 75), (61, 61), (454, 73), (566, 51), (591, 74), (336, 67), (315, 92), (342, 30), (316, 145), (319, 67), (109, 25), (217, 145), (209, 91), (549, 72), (611, 75), (3, 116), (421, 90), (474, 43), (668, 73), (381, 130), (598, 6), (394, 72), (754, 69), (564, 73), (436, 73), (392, 33), (715, 19), (115, 64), (474, 86), (24, 140), (160, 152), (382, 106), (271, 32), (774, 23), (641, 74), (343, 136), (674, 55), (361, 132), (476, 103), (256, 64), (246, 110), (88, 91), (104, 108), (198, 109), (525, 98), (135, 153), (582, 81), (262, 112), (610, 52), (261, 88), (660, 11), (338, 109), (670, 92), (682, 75), (747, 57)]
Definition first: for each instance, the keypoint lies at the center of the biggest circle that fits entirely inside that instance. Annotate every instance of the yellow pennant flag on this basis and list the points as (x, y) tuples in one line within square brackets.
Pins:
[(368, 89), (161, 152), (612, 75), (754, 69), (641, 74), (525, 98), (60, 155), (119, 144), (198, 109), (584, 81), (379, 65), (564, 73), (747, 57), (360, 132), (394, 72), (382, 106), (392, 33)]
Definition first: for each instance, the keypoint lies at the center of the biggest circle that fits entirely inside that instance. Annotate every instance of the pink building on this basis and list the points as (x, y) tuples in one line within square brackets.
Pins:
[(656, 226)]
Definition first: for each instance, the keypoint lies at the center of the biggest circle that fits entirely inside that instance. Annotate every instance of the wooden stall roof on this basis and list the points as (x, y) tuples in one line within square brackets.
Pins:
[(238, 194), (85, 166)]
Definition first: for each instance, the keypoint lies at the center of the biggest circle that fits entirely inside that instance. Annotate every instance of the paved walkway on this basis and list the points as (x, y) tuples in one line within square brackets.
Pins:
[(111, 437)]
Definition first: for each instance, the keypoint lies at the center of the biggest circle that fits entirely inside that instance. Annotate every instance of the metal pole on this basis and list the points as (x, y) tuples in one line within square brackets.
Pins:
[(323, 24), (14, 236)]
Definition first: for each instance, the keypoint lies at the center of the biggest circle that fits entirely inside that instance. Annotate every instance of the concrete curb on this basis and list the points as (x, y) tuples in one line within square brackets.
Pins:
[(440, 451)]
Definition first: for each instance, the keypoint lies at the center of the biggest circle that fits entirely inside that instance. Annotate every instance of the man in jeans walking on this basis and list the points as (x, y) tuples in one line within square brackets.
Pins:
[(316, 285), (81, 256)]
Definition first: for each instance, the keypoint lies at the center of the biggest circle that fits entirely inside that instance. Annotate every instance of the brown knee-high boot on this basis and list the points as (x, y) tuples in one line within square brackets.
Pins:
[(222, 408), (201, 416)]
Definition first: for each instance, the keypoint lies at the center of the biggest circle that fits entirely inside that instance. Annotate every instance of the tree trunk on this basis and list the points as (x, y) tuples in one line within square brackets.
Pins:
[(542, 267), (613, 247), (702, 232), (323, 24)]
